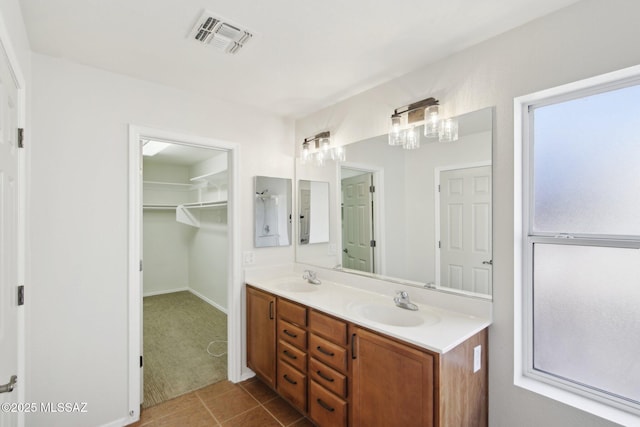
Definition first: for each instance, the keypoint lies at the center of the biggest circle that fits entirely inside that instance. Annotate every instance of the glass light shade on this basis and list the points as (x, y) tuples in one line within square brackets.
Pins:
[(431, 121), (320, 158), (397, 134), (338, 154), (413, 139), (448, 130), (305, 153), (325, 144)]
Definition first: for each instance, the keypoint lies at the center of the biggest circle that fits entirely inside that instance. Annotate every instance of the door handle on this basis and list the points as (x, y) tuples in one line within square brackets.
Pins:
[(345, 251), (8, 388), (490, 262)]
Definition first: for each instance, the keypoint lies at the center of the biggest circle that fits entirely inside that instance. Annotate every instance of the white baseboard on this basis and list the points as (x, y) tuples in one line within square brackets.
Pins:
[(208, 301), (119, 423), (166, 291)]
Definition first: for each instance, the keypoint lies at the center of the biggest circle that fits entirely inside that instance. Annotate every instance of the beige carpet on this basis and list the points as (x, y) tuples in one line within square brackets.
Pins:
[(178, 328)]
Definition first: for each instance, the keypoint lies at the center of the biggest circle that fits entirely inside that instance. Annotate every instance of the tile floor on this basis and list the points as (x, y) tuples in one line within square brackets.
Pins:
[(247, 404)]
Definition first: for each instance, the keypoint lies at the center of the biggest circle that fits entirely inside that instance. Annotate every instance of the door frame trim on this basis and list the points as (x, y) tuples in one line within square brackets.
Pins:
[(234, 280), (6, 47)]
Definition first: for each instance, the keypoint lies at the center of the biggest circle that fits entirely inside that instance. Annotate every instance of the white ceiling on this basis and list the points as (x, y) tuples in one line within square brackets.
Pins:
[(304, 55)]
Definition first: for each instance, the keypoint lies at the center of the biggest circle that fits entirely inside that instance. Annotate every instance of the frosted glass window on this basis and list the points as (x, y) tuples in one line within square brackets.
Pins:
[(586, 316), (586, 154)]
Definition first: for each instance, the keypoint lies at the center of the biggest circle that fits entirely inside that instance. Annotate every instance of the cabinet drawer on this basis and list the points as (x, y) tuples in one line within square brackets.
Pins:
[(329, 378), (292, 384), (292, 334), (292, 312), (293, 356), (325, 409), (327, 352), (332, 329)]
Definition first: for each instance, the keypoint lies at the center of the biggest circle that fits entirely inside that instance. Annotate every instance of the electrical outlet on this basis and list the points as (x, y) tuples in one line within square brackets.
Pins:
[(248, 257), (333, 249), (477, 358)]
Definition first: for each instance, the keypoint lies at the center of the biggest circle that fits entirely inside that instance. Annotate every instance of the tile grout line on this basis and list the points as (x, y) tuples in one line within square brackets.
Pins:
[(207, 409), (270, 413), (264, 407)]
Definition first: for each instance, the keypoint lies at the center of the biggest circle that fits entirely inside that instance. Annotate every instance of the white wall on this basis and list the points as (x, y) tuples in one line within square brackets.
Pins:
[(586, 39), (78, 330), (208, 257), (165, 252)]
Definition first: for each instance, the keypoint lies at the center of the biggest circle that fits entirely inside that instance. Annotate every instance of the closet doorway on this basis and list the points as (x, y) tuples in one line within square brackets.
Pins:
[(185, 240)]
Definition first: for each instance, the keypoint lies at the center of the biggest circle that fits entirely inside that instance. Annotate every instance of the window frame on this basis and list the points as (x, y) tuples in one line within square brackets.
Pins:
[(525, 376)]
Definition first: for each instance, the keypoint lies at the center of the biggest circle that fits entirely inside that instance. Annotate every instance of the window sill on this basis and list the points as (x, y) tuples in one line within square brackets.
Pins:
[(583, 403)]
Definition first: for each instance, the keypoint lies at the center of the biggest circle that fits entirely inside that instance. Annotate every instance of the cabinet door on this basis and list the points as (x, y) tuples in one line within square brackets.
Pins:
[(261, 334), (392, 384)]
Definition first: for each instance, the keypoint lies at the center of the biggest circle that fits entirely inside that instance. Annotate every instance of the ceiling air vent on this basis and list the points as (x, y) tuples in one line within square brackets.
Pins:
[(214, 31)]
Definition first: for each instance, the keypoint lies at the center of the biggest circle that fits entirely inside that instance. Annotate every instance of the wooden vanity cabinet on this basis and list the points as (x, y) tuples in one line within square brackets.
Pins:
[(394, 383), (328, 370), (341, 374), (261, 334), (292, 353)]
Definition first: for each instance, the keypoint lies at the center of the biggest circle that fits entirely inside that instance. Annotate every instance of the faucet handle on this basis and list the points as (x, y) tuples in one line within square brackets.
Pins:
[(402, 294)]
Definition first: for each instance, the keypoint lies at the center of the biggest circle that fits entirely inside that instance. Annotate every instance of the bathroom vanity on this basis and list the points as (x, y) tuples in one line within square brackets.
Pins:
[(348, 357)]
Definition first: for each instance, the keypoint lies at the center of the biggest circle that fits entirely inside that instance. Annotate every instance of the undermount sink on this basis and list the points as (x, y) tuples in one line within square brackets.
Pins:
[(393, 316), (296, 285)]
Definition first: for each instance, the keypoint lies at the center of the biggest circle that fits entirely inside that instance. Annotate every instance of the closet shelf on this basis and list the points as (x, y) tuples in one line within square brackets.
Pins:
[(203, 204), (210, 177), (185, 216), (168, 186), (159, 207)]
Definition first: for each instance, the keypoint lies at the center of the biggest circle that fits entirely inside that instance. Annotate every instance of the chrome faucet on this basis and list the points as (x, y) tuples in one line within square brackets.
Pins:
[(402, 300), (310, 276)]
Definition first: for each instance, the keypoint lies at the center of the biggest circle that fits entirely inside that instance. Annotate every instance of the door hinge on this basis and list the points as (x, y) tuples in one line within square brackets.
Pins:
[(21, 295), (20, 137), (372, 189), (141, 361), (140, 265), (372, 243), (439, 245)]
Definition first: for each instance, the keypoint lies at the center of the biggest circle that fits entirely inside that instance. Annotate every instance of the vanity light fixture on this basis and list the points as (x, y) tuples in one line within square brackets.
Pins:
[(318, 149), (405, 120)]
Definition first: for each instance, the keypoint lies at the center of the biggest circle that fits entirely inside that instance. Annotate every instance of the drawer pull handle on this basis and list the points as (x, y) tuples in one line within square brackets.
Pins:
[(289, 355), (324, 377), (290, 380), (323, 351), (324, 405), (291, 334)]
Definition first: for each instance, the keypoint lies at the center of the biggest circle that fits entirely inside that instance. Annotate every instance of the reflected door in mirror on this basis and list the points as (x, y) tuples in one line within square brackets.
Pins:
[(465, 229), (357, 231)]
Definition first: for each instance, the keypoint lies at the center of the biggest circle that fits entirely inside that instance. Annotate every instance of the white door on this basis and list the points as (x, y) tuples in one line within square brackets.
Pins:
[(305, 212), (9, 223), (465, 229), (357, 253)]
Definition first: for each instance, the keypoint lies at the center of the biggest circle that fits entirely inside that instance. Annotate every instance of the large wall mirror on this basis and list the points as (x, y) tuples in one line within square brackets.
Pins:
[(421, 217)]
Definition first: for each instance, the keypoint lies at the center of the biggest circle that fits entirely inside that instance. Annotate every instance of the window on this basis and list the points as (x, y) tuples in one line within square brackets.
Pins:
[(577, 244)]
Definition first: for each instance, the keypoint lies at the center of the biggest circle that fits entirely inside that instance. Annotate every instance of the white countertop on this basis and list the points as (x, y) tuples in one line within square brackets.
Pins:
[(439, 330)]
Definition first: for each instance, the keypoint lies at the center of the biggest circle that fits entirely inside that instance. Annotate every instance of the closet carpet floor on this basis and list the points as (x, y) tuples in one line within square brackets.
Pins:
[(177, 329)]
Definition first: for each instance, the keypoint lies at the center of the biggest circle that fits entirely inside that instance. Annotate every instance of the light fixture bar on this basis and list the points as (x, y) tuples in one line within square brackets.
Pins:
[(415, 111), (316, 139)]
